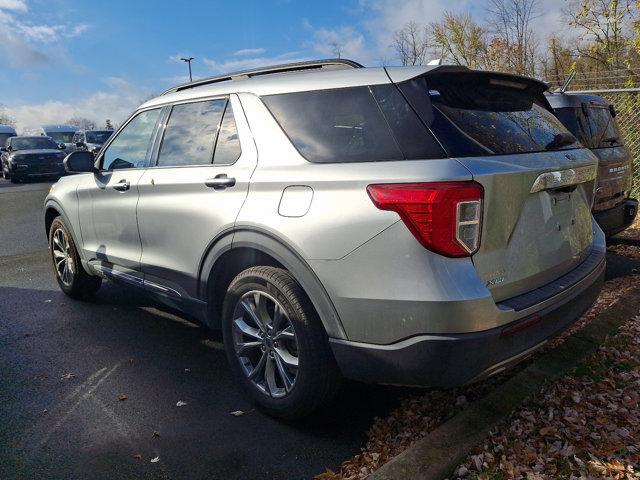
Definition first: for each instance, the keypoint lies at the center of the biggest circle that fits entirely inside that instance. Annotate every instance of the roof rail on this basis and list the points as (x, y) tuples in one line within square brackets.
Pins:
[(333, 63)]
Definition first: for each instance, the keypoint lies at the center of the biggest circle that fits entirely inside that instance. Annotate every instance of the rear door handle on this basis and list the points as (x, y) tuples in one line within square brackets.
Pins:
[(122, 186), (220, 182)]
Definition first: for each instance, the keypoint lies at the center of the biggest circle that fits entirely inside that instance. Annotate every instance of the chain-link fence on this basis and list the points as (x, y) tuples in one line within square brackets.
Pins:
[(620, 88), (627, 104)]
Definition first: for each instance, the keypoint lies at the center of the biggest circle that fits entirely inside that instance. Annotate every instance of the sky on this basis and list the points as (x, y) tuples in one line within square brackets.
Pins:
[(97, 59)]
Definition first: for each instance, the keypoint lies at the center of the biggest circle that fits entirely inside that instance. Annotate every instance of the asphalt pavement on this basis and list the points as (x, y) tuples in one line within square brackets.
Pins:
[(89, 389)]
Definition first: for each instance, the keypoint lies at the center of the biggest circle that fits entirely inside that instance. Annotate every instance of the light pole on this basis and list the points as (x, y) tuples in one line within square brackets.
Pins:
[(188, 60)]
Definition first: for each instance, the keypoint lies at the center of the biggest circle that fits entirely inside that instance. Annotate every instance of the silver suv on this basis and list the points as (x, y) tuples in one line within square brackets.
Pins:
[(425, 225)]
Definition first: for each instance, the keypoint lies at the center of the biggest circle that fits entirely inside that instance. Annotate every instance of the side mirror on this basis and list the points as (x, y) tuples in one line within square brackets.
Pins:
[(80, 162), (79, 144), (62, 146), (612, 109)]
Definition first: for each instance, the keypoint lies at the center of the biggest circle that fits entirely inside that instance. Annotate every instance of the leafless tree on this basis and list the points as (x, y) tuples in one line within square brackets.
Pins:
[(5, 117), (411, 44), (336, 48), (510, 20), (82, 123)]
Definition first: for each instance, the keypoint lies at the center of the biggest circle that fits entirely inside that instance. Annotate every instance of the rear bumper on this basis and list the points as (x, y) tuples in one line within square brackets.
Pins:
[(455, 359), (618, 218)]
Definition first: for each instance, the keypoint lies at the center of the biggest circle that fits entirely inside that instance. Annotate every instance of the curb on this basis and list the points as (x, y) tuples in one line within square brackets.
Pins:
[(437, 455)]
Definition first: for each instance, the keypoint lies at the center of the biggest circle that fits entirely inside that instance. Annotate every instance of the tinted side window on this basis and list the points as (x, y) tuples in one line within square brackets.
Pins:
[(228, 145), (191, 133), (131, 148), (342, 125), (415, 141)]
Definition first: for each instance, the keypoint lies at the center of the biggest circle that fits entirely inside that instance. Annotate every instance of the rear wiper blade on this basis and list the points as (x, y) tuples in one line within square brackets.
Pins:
[(560, 140)]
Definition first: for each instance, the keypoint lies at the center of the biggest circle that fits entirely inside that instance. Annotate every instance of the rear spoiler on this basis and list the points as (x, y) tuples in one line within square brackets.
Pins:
[(421, 103)]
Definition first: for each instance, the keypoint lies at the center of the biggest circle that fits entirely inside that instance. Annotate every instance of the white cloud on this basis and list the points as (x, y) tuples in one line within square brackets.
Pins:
[(345, 42), (116, 103), (25, 43), (236, 64), (249, 51), (14, 5)]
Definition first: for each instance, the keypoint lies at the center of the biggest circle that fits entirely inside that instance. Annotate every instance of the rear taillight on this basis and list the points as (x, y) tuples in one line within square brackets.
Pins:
[(445, 217)]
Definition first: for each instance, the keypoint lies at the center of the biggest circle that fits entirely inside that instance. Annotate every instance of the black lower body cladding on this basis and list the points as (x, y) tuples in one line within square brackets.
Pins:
[(456, 359)]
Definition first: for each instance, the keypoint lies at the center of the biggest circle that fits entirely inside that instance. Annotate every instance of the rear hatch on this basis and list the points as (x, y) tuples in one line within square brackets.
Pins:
[(538, 182), (592, 120)]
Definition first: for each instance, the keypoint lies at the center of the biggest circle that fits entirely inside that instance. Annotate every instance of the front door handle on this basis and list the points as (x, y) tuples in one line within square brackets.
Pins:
[(220, 182), (122, 186)]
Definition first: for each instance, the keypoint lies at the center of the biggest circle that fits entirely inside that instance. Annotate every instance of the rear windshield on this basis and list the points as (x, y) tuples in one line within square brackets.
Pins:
[(63, 137), (33, 143), (357, 124), (473, 116), (593, 125)]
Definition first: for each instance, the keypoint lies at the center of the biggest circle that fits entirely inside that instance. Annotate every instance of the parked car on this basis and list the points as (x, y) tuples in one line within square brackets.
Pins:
[(6, 131), (31, 157), (593, 121), (62, 134), (425, 225), (90, 140)]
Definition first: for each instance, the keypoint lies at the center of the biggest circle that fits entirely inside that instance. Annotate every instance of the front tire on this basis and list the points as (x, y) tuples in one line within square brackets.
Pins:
[(71, 276), (276, 344)]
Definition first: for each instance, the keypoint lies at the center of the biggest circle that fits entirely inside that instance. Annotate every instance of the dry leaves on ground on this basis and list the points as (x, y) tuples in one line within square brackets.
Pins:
[(418, 415), (585, 426), (631, 251)]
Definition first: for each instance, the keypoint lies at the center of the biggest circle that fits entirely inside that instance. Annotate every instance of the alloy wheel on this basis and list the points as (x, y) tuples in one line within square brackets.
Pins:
[(265, 343), (62, 257)]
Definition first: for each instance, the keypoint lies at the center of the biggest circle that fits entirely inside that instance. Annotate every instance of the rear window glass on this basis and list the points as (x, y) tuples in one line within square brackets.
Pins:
[(357, 124), (471, 116), (594, 127)]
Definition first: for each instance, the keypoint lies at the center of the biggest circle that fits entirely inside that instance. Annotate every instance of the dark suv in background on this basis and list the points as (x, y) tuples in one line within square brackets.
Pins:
[(593, 121), (31, 157), (90, 140)]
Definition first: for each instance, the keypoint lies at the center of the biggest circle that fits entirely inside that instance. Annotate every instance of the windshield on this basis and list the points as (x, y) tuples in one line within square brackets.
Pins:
[(33, 143), (473, 116), (4, 137), (61, 137), (98, 136), (592, 125)]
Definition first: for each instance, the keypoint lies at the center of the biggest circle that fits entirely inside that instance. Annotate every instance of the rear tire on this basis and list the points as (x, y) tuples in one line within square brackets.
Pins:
[(284, 362), (70, 274)]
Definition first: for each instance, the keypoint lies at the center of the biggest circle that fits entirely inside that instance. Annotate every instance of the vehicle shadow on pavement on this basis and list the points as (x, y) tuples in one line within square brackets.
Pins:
[(87, 383)]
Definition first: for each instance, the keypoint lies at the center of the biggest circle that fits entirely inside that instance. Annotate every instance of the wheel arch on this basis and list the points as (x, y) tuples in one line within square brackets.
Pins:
[(53, 209), (248, 247)]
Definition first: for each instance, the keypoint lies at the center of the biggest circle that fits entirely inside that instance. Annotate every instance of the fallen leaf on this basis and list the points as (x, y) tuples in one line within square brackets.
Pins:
[(137, 456), (181, 403), (122, 397), (155, 459), (155, 434), (187, 370), (237, 413), (68, 376)]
